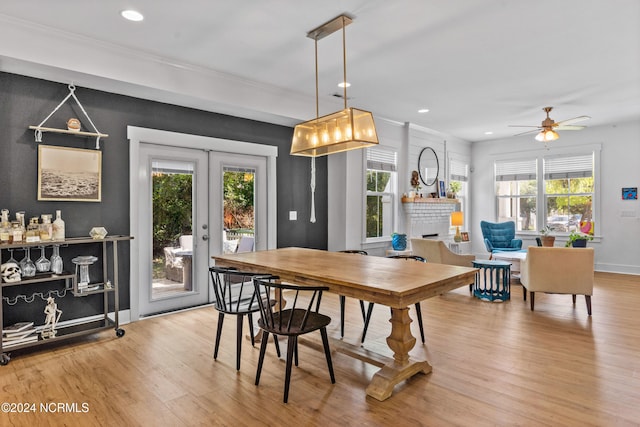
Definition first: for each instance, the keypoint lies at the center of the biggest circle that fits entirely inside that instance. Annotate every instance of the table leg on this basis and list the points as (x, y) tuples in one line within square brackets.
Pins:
[(402, 367)]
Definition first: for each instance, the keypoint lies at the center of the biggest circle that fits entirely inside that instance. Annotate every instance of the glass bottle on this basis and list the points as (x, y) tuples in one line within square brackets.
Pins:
[(42, 264), (58, 227), (46, 228), (16, 233), (33, 231), (27, 266), (23, 230), (56, 260), (5, 227)]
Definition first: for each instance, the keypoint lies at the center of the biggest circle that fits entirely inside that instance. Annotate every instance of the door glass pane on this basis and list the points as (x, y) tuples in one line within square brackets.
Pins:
[(172, 205), (239, 212)]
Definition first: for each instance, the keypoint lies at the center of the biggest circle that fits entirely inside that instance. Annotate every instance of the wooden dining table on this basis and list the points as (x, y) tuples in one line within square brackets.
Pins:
[(395, 283)]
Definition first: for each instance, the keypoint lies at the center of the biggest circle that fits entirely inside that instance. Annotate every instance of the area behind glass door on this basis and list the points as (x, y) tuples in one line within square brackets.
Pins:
[(172, 212)]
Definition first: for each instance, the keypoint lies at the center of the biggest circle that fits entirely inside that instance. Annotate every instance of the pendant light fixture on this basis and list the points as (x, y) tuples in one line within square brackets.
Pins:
[(347, 129)]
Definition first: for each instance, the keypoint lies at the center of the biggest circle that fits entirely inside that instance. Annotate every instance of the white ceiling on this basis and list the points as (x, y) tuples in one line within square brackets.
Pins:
[(477, 65)]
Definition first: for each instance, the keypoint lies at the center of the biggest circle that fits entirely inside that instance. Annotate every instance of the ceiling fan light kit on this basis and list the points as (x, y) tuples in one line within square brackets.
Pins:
[(547, 129)]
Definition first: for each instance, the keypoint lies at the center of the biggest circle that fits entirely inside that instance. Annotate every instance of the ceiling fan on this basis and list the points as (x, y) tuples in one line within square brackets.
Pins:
[(547, 129)]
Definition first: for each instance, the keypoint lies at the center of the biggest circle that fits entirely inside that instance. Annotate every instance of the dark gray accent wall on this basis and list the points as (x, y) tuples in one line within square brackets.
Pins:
[(26, 101)]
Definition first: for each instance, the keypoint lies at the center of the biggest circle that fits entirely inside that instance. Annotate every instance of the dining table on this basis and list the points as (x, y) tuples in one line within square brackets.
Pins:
[(395, 283)]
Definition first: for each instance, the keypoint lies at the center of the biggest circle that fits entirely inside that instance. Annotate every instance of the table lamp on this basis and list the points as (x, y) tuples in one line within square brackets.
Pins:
[(457, 219)]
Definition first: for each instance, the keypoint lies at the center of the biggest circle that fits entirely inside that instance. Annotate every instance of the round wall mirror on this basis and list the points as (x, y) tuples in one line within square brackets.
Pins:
[(428, 166)]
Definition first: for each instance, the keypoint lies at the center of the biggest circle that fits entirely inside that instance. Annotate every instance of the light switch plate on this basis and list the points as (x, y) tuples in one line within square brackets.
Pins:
[(293, 215)]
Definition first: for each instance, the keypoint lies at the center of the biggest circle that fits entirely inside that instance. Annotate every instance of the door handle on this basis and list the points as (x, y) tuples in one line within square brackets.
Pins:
[(205, 237)]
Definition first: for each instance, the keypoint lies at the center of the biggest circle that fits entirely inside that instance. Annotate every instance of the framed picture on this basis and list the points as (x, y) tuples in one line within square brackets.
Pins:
[(629, 193), (465, 236), (69, 174), (443, 190)]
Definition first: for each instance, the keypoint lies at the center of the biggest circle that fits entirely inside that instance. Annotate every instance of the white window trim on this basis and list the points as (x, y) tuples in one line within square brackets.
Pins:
[(394, 194)]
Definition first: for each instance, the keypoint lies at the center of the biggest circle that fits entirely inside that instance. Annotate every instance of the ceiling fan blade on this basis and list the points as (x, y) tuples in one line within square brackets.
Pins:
[(573, 120), (569, 127), (524, 126), (526, 132)]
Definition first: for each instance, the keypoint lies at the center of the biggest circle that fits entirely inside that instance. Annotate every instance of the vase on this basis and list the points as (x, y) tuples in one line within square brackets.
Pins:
[(579, 243), (548, 241), (399, 242)]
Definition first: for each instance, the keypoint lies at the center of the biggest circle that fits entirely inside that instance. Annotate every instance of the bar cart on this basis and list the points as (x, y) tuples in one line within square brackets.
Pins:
[(70, 329)]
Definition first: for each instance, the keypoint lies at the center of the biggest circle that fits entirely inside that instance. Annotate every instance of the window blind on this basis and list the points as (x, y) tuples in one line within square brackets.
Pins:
[(381, 160), (459, 171), (568, 167), (515, 170)]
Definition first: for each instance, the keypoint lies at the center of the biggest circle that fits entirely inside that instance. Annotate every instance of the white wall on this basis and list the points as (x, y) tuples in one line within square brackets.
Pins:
[(618, 247)]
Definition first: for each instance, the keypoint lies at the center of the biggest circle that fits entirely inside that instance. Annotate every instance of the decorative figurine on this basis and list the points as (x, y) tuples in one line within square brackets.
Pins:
[(11, 272), (51, 320)]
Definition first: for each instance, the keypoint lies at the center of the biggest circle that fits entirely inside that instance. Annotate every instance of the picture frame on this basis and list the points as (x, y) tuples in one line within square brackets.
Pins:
[(465, 236), (443, 189), (69, 174), (630, 193)]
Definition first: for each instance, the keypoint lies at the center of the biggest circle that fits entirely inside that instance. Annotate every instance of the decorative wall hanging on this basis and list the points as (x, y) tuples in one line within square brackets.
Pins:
[(73, 124), (629, 193), (69, 174)]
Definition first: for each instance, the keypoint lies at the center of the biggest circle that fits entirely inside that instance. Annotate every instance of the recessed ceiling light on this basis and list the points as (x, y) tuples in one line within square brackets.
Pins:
[(132, 15), (488, 133), (423, 110), (343, 84)]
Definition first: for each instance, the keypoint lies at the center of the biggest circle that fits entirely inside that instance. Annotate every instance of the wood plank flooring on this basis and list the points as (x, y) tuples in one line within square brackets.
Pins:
[(493, 364)]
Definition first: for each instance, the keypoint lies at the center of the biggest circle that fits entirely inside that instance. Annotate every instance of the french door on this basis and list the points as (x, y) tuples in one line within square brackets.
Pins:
[(192, 203)]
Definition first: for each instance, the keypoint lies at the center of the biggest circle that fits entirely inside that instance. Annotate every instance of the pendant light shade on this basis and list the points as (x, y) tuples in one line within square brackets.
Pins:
[(343, 130), (348, 129)]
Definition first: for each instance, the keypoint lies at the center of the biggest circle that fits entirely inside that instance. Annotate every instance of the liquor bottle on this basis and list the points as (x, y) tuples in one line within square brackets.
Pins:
[(46, 228), (16, 236), (33, 231), (5, 227), (23, 229), (58, 227)]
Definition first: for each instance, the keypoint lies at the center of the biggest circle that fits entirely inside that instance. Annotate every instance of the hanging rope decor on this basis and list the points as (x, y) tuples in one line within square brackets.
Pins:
[(72, 88), (313, 190)]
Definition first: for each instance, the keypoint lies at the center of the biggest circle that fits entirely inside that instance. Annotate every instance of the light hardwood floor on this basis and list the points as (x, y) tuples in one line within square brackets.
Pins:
[(493, 364)]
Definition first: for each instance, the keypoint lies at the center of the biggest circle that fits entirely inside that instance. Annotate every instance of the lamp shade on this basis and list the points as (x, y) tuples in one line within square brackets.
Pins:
[(343, 130), (547, 135), (457, 219)]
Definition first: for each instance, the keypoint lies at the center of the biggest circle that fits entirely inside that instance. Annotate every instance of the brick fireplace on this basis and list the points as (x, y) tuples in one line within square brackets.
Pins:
[(428, 216)]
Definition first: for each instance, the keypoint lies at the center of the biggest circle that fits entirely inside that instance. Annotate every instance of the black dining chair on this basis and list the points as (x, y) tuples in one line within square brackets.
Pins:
[(235, 295), (418, 310), (300, 317), (343, 298)]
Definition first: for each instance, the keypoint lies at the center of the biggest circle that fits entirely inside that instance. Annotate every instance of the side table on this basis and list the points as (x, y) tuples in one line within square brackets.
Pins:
[(492, 280), (393, 252)]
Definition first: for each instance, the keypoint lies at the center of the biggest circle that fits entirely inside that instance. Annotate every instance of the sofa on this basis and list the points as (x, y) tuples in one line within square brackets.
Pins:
[(558, 271)]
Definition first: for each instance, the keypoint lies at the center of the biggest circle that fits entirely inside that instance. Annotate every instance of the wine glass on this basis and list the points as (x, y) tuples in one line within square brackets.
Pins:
[(11, 258), (42, 263), (56, 260), (27, 266)]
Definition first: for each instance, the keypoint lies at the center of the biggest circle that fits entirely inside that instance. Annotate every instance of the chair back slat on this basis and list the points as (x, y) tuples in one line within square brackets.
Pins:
[(296, 315), (233, 289), (409, 257)]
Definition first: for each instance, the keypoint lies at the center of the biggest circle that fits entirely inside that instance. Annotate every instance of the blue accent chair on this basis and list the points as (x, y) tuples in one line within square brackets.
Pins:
[(500, 237)]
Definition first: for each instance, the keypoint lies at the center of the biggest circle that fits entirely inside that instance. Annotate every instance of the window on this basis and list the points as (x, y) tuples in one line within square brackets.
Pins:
[(568, 191), (516, 192), (564, 195), (459, 173), (381, 188)]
